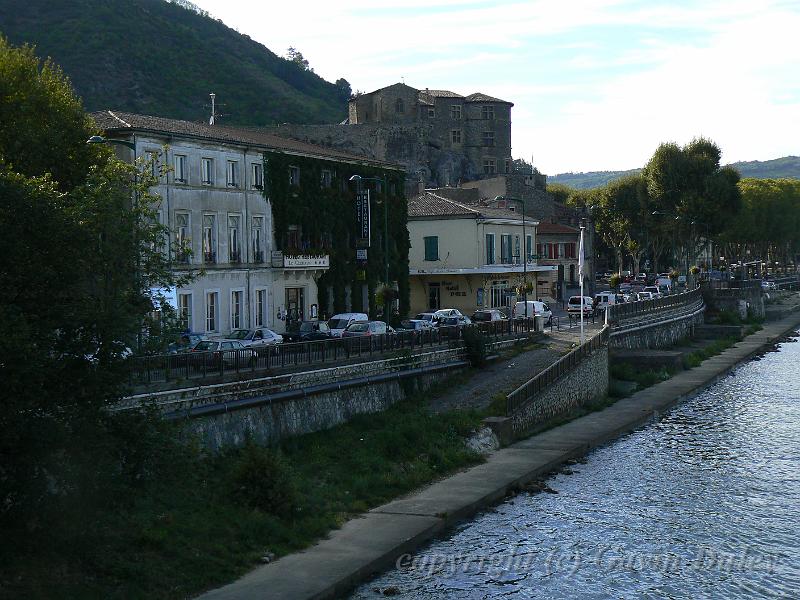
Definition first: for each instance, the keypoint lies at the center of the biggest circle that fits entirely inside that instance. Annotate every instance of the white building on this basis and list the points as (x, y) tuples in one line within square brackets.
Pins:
[(213, 200)]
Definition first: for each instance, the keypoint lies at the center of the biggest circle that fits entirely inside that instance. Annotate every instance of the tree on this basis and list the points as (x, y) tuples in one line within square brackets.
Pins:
[(344, 90), (43, 128), (295, 56), (81, 251)]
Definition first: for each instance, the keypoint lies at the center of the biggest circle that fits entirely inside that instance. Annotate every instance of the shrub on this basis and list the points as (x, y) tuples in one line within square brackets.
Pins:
[(614, 280), (475, 345), (262, 479)]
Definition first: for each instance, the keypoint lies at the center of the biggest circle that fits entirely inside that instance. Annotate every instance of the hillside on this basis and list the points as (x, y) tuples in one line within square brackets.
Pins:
[(785, 167), (159, 58)]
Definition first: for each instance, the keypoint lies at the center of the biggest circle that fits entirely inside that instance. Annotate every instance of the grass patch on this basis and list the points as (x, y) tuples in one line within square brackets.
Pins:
[(694, 359), (643, 379), (207, 519)]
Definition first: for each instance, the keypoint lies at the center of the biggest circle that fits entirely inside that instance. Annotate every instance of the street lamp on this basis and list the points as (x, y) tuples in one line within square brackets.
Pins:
[(524, 251), (359, 179)]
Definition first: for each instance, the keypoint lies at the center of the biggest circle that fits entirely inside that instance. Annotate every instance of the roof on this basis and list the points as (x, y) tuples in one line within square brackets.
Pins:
[(430, 204), (555, 228), (117, 121), (478, 97)]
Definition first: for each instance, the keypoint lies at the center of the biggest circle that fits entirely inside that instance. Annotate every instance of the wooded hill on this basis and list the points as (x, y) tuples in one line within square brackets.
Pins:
[(159, 58), (787, 167)]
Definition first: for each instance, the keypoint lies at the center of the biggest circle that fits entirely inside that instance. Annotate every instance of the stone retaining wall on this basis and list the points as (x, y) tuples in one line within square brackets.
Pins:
[(588, 381), (664, 332)]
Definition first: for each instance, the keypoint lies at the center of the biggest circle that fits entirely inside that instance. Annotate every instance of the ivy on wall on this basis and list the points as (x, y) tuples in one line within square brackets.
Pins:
[(324, 216)]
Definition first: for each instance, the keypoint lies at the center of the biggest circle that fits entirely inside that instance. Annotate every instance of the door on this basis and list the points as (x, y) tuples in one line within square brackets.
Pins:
[(434, 296), (295, 305)]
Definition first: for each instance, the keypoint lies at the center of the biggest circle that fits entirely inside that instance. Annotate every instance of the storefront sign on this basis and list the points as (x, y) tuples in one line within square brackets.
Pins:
[(363, 216), (304, 261)]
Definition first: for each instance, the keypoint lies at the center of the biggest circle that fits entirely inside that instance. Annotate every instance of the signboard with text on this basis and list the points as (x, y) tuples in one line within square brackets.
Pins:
[(363, 216)]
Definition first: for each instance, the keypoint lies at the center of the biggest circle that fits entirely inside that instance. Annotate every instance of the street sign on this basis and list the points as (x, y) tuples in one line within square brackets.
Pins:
[(363, 216), (361, 254)]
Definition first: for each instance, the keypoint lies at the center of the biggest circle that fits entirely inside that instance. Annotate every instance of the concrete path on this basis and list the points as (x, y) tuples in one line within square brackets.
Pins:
[(374, 542)]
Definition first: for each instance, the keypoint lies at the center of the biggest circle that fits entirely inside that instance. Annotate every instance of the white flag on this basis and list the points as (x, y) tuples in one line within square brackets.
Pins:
[(580, 258)]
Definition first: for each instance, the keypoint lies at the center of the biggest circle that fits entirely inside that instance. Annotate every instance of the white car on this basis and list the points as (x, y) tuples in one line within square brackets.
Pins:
[(258, 338), (574, 306), (447, 312), (654, 291), (338, 323), (535, 309)]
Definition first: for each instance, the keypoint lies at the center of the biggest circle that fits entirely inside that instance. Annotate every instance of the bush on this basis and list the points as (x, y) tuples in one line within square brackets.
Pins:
[(614, 280), (262, 479), (475, 344)]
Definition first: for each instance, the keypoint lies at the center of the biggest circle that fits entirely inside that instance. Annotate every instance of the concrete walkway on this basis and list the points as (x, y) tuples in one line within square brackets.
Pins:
[(373, 542)]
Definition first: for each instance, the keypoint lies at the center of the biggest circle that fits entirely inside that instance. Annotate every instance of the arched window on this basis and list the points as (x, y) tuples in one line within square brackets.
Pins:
[(399, 107)]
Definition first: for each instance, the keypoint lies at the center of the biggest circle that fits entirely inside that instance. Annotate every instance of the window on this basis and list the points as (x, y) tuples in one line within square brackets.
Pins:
[(487, 113), (211, 310), (516, 249), (261, 308), (232, 178), (489, 166), (560, 250), (399, 106), (209, 238), (180, 168), (488, 138), (207, 171), (455, 111), (234, 238), (236, 309), (183, 244), (499, 293), (528, 247), (432, 247), (294, 175), (572, 273), (505, 248), (185, 311), (257, 234), (508, 165), (326, 178), (258, 176), (569, 250), (153, 163), (455, 136), (293, 237), (431, 112), (489, 248)]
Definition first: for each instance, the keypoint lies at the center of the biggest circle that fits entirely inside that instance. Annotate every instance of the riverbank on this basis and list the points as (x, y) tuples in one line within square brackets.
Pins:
[(374, 542)]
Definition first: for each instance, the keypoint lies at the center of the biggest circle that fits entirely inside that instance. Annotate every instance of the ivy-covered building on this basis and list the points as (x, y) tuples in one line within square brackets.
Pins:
[(270, 223)]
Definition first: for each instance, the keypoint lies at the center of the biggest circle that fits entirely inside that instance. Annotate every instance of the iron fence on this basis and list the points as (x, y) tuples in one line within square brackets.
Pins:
[(165, 368), (628, 310), (567, 363)]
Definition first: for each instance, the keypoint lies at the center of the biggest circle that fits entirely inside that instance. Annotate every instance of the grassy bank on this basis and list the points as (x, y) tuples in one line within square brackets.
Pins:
[(201, 521)]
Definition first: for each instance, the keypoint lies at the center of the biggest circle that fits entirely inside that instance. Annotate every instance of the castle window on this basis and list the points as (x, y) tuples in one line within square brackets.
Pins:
[(489, 166), (488, 138), (455, 136), (431, 112), (455, 111), (399, 106), (487, 113)]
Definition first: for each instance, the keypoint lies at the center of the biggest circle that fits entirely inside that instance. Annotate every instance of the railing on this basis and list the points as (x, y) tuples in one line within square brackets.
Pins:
[(164, 368), (567, 363), (628, 310)]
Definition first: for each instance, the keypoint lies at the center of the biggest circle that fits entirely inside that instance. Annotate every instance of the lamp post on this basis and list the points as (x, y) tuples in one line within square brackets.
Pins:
[(524, 251), (359, 179), (580, 274)]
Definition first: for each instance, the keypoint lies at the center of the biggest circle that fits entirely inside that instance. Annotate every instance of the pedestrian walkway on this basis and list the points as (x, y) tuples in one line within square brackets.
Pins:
[(374, 541)]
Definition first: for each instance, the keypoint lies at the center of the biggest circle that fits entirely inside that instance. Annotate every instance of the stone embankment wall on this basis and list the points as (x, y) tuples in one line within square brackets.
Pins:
[(663, 331), (730, 299), (588, 381)]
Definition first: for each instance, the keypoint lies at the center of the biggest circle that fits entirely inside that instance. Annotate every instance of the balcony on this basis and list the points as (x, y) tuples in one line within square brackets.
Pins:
[(304, 262)]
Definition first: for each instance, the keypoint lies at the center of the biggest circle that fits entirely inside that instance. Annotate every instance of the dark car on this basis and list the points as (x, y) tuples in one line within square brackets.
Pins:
[(231, 353), (417, 329), (450, 327), (307, 331), (486, 315)]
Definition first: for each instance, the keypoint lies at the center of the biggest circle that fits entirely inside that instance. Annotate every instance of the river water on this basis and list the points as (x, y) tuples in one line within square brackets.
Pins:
[(704, 503)]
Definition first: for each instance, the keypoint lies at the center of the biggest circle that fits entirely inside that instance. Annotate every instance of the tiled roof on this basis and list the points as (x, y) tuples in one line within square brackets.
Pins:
[(429, 204), (110, 121), (441, 94), (554, 228), (478, 97)]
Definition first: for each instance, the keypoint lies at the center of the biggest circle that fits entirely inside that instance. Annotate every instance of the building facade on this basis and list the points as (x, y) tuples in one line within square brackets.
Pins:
[(469, 255), (216, 202)]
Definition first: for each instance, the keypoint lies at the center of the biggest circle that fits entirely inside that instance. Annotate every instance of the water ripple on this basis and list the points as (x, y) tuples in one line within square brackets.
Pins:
[(704, 503)]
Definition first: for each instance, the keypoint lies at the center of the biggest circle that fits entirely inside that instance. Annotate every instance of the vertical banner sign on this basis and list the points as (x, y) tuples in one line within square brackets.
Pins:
[(363, 216)]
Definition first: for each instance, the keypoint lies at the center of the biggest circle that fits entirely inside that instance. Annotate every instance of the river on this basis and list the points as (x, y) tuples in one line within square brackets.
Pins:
[(703, 503)]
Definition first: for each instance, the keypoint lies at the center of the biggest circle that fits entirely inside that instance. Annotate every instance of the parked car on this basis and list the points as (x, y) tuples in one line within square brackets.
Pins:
[(366, 329), (307, 331), (769, 285), (258, 339), (654, 290), (229, 352), (186, 342), (535, 309), (338, 323), (578, 303), (430, 317), (487, 315), (417, 328), (644, 296), (451, 326), (447, 312), (642, 277)]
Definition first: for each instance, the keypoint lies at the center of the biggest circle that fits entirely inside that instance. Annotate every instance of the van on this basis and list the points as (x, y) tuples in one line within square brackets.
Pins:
[(338, 323), (574, 306), (604, 299), (535, 309)]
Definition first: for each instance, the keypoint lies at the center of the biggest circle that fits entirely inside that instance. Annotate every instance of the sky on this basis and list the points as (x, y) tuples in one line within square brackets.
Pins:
[(596, 84)]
